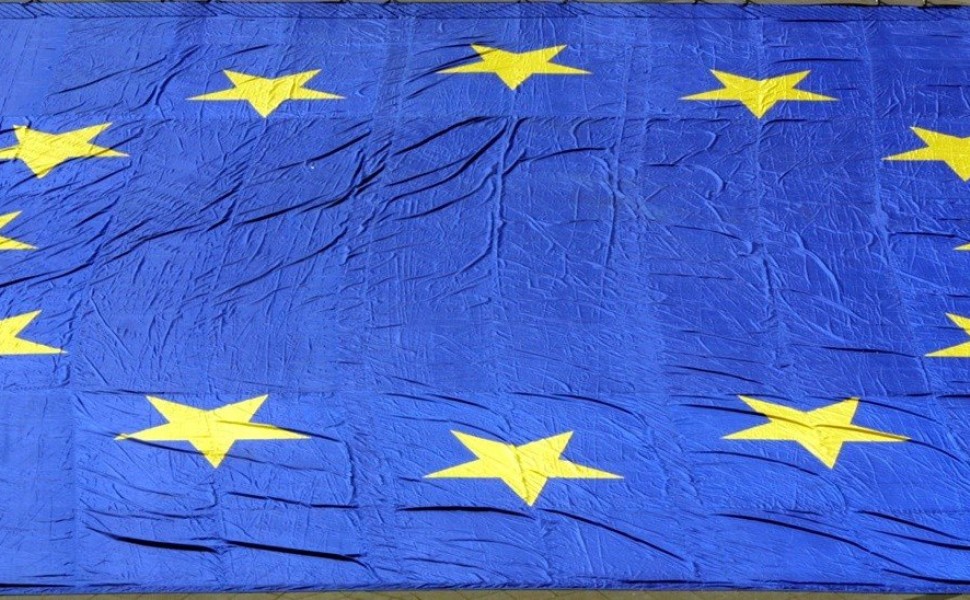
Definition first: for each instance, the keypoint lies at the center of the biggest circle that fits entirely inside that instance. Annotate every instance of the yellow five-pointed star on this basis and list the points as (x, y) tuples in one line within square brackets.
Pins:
[(7, 243), (11, 344), (266, 94), (42, 151), (960, 350), (950, 149), (525, 468), (760, 95), (513, 68), (964, 247), (821, 431), (211, 432)]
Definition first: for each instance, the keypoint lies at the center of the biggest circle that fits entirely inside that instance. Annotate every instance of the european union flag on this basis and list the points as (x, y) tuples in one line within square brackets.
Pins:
[(573, 296)]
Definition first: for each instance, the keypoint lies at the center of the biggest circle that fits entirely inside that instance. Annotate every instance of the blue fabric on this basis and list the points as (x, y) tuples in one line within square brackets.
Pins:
[(437, 252)]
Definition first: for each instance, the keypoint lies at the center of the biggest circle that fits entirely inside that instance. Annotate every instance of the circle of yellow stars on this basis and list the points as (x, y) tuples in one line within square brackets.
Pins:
[(525, 469)]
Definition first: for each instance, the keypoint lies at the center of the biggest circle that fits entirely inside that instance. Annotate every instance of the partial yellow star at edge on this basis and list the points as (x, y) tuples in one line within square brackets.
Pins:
[(822, 431), (10, 342), (42, 151), (211, 432), (760, 95), (266, 94), (942, 147), (965, 247), (514, 68), (8, 243), (960, 350), (525, 469)]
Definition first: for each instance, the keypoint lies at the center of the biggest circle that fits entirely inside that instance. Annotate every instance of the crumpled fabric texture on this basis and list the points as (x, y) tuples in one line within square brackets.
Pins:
[(438, 253)]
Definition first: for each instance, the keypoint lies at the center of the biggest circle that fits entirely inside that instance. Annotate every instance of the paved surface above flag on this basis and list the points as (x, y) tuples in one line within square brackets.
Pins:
[(568, 296)]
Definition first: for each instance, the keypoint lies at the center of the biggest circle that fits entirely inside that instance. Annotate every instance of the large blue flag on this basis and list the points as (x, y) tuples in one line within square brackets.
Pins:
[(356, 296)]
